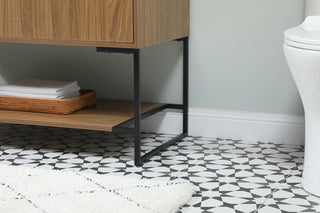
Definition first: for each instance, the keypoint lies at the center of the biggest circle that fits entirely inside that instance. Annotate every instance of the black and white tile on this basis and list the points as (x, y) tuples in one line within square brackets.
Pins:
[(230, 175)]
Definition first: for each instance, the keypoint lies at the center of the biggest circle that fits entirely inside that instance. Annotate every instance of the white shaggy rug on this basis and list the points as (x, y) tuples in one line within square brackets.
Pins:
[(32, 190)]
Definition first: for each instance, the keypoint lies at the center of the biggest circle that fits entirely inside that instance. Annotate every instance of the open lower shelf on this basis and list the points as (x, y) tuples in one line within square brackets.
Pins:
[(103, 116)]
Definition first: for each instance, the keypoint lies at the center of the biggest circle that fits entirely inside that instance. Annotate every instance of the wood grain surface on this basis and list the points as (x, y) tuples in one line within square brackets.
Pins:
[(159, 21), (103, 116), (104, 23), (80, 20)]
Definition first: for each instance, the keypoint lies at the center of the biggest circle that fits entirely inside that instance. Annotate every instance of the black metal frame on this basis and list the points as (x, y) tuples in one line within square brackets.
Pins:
[(136, 121)]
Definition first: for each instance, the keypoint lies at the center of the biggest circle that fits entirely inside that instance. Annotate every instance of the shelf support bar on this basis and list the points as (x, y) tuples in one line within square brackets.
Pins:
[(185, 85), (137, 109)]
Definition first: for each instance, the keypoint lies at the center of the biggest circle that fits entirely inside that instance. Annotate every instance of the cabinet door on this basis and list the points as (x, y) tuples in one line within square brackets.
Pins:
[(84, 20)]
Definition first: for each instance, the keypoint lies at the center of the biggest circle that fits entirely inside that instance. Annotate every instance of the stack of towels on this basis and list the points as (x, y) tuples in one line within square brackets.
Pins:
[(35, 88)]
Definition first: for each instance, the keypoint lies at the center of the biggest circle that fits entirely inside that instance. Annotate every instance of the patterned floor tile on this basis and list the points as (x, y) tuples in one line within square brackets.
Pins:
[(229, 175), (289, 196)]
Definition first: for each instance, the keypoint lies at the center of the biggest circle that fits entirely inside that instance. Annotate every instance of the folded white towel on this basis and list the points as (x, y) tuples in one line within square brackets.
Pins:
[(41, 87), (64, 96)]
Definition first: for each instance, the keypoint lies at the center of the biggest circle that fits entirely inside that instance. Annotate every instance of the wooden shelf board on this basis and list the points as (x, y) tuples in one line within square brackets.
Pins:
[(103, 116)]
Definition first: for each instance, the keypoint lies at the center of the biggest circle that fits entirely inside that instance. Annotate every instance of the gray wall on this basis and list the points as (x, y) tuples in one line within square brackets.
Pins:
[(236, 60)]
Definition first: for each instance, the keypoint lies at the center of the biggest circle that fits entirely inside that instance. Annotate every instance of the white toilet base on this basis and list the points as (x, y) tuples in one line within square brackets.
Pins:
[(311, 170), (305, 68)]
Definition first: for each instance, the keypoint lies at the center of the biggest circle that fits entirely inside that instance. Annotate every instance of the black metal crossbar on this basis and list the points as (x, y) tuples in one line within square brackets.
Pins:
[(133, 126)]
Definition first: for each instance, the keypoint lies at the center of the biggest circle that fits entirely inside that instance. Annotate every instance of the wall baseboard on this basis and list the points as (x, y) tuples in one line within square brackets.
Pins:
[(230, 125)]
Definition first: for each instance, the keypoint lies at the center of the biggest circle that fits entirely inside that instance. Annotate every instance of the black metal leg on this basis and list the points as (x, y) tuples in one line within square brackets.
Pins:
[(137, 110), (185, 85), (136, 121)]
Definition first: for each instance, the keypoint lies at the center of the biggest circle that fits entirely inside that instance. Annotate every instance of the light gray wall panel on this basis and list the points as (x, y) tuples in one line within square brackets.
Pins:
[(236, 60)]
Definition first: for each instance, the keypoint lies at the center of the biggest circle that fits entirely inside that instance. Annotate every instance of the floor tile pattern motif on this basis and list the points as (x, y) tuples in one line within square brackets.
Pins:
[(230, 175)]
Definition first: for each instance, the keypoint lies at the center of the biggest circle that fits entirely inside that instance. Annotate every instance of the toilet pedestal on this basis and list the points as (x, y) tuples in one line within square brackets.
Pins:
[(305, 68), (311, 170)]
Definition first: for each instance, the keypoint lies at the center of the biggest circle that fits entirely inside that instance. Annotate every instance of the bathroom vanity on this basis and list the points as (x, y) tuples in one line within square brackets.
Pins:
[(100, 23), (112, 26)]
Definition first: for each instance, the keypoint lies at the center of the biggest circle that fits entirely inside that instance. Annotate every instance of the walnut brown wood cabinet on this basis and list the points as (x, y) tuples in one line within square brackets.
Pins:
[(120, 26)]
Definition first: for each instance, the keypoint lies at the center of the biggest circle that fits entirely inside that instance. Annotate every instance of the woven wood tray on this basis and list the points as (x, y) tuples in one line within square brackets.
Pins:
[(56, 106)]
